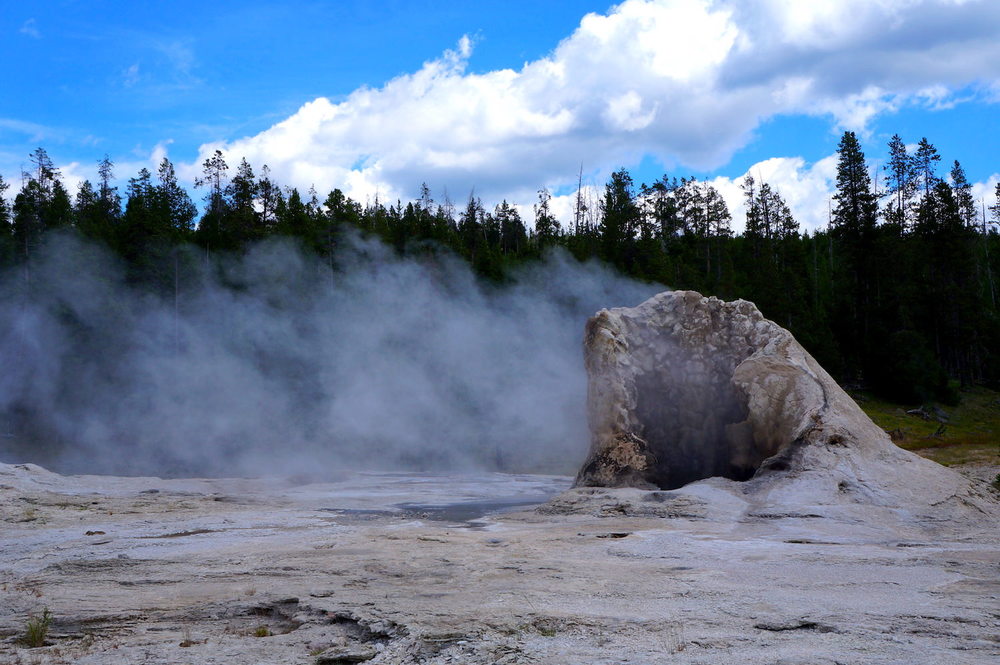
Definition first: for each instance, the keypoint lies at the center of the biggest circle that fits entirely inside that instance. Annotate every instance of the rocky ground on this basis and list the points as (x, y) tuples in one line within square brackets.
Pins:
[(385, 568)]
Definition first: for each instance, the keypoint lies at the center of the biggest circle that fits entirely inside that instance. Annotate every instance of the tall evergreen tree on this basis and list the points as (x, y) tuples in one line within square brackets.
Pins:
[(173, 202), (902, 183), (41, 205), (45, 171), (854, 215), (662, 210), (58, 211), (242, 221), (854, 220), (4, 208), (269, 196), (962, 191), (995, 208), (140, 223), (89, 215), (925, 161), (109, 200), (471, 228), (619, 220), (513, 234), (6, 227), (212, 231), (301, 220), (547, 228)]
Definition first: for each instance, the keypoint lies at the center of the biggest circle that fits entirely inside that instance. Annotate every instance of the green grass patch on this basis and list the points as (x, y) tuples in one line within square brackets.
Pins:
[(965, 434), (36, 629)]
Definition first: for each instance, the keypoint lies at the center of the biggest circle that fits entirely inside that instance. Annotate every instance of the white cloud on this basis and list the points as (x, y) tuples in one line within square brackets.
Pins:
[(34, 131), (984, 194), (807, 188), (685, 81), (626, 112), (73, 175), (131, 75), (30, 28)]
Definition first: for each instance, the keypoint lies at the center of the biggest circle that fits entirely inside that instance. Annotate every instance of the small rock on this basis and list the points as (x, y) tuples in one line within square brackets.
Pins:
[(357, 653), (793, 624)]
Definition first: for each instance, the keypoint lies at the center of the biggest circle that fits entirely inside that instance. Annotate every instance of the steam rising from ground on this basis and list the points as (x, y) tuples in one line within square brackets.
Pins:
[(290, 367)]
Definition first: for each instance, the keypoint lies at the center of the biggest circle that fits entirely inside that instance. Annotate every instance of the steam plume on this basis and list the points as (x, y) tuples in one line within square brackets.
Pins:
[(276, 364)]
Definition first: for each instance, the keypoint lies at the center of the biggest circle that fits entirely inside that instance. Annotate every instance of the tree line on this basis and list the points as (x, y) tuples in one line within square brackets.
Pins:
[(897, 294)]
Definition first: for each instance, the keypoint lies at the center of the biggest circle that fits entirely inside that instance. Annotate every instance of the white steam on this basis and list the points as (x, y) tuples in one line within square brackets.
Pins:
[(385, 363)]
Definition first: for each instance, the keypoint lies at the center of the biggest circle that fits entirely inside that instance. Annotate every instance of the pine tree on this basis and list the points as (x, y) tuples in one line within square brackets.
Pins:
[(212, 229), (995, 208), (470, 226), (661, 207), (719, 226), (425, 227), (45, 171), (756, 228), (619, 220), (139, 225), (41, 205), (854, 217), (4, 208), (546, 226), (855, 212), (6, 227), (109, 200), (305, 221), (962, 191), (242, 221), (513, 235), (902, 183), (948, 261), (58, 210), (269, 197), (925, 161), (173, 204)]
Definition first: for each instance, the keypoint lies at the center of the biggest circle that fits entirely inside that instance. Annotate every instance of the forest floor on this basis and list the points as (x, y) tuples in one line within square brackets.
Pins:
[(966, 436)]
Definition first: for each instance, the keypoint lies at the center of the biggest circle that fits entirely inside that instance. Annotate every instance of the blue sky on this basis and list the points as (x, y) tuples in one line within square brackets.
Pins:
[(504, 97)]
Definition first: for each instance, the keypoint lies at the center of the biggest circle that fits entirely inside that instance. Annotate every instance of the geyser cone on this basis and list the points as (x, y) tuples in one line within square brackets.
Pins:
[(670, 394), (685, 387)]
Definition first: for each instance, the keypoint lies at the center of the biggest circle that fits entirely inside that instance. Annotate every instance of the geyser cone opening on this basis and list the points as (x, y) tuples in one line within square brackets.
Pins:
[(693, 421), (669, 395)]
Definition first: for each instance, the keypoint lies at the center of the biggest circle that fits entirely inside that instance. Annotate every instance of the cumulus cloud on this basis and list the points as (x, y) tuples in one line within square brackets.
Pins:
[(984, 193), (686, 81), (807, 188)]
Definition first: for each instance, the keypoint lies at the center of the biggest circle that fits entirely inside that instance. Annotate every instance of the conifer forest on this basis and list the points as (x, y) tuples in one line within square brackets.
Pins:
[(898, 294)]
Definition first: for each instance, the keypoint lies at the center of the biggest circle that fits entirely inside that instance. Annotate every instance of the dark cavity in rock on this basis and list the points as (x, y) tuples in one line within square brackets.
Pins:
[(691, 417), (666, 405)]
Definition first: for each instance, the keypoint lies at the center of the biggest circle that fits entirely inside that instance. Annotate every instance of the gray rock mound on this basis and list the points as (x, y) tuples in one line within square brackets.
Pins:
[(684, 387)]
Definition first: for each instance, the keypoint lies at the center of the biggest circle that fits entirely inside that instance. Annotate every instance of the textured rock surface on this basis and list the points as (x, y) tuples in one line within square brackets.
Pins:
[(685, 387), (174, 572)]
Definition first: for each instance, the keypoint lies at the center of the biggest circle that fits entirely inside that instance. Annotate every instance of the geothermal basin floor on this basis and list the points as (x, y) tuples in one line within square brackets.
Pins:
[(403, 568)]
